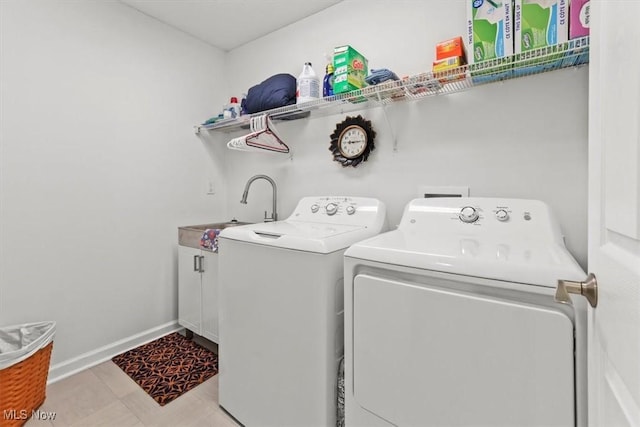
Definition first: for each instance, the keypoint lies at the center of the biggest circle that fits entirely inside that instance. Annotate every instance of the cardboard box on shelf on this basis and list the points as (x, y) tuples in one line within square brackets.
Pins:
[(489, 30), (579, 17), (540, 23), (448, 69), (350, 69), (451, 48)]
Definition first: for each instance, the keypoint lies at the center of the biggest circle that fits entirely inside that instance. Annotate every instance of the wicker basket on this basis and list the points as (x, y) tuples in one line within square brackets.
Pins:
[(23, 387)]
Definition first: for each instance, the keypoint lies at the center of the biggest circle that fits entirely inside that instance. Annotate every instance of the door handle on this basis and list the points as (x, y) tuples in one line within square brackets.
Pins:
[(588, 289), (201, 270), (195, 263)]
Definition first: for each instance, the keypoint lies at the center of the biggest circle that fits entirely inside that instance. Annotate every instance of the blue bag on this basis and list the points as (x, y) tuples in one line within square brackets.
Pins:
[(277, 91)]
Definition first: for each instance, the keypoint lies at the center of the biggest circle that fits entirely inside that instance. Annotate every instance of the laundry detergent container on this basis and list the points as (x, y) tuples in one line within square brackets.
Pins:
[(25, 352)]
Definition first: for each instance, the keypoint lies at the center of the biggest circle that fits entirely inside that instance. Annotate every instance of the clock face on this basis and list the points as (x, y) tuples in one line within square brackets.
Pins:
[(352, 142)]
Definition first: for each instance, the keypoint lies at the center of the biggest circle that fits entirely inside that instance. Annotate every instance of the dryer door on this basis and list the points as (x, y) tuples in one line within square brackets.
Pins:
[(432, 357)]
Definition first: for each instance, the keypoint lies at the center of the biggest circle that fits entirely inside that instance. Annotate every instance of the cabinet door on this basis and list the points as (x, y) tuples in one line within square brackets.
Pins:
[(189, 289), (210, 296)]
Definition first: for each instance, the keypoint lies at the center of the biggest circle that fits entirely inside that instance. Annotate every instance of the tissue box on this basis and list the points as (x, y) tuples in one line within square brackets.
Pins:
[(579, 16), (350, 69), (489, 30), (540, 23)]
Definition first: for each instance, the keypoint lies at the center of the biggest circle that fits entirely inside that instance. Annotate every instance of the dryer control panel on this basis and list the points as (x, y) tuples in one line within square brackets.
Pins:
[(479, 216), (339, 210)]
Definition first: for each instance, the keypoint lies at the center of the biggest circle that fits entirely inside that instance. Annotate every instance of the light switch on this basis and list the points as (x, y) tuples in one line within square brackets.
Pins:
[(211, 188)]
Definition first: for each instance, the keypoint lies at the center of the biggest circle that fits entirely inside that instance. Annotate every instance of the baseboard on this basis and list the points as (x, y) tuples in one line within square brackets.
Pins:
[(95, 357)]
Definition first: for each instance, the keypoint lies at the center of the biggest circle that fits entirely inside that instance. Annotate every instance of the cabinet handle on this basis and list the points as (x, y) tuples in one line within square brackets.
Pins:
[(201, 270), (195, 263)]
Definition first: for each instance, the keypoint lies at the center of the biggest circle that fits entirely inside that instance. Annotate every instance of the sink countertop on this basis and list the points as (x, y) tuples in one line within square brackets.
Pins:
[(189, 235)]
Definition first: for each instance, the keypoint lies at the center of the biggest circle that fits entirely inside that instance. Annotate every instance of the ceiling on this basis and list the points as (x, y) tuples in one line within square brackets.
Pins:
[(228, 24)]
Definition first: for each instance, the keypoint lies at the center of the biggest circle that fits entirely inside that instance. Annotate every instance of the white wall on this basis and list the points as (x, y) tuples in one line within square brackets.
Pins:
[(99, 166), (525, 138)]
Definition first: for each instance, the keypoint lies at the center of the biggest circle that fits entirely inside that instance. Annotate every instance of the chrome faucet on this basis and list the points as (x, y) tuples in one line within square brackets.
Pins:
[(274, 214)]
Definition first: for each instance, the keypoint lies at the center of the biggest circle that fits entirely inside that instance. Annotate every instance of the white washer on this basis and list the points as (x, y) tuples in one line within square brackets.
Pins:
[(450, 320), (281, 310)]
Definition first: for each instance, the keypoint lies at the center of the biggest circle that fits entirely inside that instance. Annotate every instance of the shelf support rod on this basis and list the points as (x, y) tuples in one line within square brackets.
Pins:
[(386, 118)]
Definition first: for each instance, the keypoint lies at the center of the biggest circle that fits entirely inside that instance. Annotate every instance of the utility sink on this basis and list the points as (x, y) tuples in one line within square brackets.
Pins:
[(190, 235)]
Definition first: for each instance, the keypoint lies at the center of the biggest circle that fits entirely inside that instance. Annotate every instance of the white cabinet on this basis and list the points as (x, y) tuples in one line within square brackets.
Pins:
[(189, 289), (210, 296), (198, 291)]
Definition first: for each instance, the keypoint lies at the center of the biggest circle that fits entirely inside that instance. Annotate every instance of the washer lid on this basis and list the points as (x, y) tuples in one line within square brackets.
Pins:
[(299, 235), (320, 224), (490, 257)]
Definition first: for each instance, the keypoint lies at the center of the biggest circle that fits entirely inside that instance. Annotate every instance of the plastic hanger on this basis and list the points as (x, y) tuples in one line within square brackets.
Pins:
[(262, 137)]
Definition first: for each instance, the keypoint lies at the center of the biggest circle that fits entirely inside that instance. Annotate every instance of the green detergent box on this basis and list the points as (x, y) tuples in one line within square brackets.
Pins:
[(540, 23), (489, 30), (350, 69)]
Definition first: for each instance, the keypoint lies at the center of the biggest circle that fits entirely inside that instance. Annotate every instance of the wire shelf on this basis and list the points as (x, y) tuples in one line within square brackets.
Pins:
[(564, 55)]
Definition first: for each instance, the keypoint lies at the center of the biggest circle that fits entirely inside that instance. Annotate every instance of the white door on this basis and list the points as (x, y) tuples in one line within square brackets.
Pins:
[(614, 213)]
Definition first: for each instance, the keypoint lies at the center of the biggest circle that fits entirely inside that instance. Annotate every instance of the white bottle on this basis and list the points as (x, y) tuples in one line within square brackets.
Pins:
[(308, 85)]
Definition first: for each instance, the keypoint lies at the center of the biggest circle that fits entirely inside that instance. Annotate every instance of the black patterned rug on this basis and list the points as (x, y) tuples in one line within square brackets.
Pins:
[(169, 366)]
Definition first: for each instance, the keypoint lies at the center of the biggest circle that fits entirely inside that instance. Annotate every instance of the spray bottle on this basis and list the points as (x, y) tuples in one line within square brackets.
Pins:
[(327, 83)]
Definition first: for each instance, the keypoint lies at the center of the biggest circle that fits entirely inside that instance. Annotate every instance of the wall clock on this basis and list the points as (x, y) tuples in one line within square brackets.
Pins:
[(352, 141)]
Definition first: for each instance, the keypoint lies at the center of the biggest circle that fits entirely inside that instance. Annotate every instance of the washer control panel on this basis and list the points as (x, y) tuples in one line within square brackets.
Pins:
[(334, 206), (339, 210)]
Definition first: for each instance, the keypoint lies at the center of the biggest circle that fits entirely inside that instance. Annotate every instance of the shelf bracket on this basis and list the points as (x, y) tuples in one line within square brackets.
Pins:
[(386, 118)]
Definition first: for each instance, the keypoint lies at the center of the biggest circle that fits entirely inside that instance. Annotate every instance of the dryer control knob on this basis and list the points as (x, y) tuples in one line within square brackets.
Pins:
[(502, 215), (314, 208), (468, 214), (331, 208), (351, 210)]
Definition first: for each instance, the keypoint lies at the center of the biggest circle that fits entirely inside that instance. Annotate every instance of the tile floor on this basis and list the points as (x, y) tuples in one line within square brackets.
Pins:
[(106, 396)]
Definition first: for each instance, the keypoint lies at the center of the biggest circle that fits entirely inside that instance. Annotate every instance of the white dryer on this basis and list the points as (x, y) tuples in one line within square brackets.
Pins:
[(450, 320), (281, 310)]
